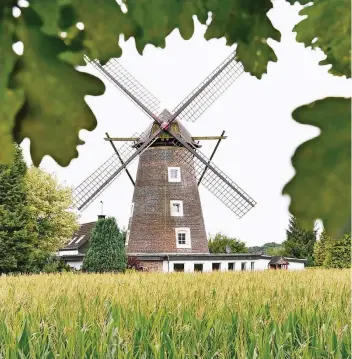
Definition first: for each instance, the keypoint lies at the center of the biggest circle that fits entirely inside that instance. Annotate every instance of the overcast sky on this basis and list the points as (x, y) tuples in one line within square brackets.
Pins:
[(256, 115)]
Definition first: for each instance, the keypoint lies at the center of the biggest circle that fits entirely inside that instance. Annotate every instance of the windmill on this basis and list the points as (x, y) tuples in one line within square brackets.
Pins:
[(166, 214)]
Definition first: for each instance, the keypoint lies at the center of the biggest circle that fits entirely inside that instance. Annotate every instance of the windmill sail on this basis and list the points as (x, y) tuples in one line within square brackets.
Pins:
[(128, 85), (218, 183), (221, 78)]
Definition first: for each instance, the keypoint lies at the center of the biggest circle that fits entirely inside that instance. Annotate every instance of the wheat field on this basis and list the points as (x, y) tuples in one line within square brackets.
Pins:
[(270, 314)]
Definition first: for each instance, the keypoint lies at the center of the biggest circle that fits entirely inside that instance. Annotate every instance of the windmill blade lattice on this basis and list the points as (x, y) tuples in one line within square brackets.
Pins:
[(86, 192), (217, 182), (223, 76), (128, 85)]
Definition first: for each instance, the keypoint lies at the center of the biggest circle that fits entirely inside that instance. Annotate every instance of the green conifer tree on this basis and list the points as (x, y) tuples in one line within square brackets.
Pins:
[(106, 251), (320, 249), (300, 242), (17, 232)]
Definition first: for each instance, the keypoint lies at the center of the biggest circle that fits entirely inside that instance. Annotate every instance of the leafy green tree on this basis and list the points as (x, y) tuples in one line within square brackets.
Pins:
[(320, 249), (42, 94), (338, 252), (271, 248), (275, 251), (17, 231), (299, 242), (49, 203), (218, 243), (106, 251), (333, 253)]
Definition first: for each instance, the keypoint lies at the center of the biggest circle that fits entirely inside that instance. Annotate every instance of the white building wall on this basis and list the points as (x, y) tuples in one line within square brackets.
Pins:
[(75, 264), (68, 253), (259, 264), (295, 265)]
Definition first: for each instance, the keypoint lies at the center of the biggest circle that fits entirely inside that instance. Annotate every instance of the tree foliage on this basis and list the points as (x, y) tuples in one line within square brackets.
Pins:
[(320, 249), (299, 242), (333, 253), (218, 243), (48, 205), (270, 248), (329, 154), (17, 230), (106, 251), (42, 94)]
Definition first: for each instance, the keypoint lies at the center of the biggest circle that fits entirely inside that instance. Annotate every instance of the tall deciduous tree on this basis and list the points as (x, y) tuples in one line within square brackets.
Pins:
[(218, 243), (17, 231), (49, 203), (106, 251), (299, 242)]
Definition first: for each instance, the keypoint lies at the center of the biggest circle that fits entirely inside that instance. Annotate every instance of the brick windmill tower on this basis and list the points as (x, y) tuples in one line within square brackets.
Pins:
[(166, 214)]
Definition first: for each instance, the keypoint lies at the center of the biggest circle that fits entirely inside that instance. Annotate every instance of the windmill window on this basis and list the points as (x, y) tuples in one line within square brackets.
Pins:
[(176, 208), (183, 238), (174, 174)]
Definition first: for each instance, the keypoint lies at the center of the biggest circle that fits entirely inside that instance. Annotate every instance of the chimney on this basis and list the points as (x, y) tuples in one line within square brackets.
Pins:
[(101, 216)]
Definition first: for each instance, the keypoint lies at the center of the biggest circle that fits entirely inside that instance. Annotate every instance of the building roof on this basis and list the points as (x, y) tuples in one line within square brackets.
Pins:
[(278, 260), (176, 126), (80, 237)]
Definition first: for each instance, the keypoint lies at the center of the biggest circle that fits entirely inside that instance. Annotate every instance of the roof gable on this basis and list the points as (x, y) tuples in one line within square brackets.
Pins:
[(278, 260), (80, 237)]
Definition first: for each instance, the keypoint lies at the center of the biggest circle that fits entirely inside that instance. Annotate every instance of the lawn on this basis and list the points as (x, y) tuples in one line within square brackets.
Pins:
[(270, 314)]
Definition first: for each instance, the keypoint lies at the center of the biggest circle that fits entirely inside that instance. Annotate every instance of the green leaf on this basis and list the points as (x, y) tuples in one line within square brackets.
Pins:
[(103, 23), (54, 110), (49, 12), (155, 20), (247, 24), (328, 27), (11, 101), (321, 187)]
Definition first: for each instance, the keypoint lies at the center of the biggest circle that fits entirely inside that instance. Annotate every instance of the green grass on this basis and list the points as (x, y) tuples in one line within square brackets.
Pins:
[(271, 314)]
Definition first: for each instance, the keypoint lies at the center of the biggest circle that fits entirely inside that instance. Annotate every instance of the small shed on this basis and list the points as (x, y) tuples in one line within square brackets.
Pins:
[(278, 262)]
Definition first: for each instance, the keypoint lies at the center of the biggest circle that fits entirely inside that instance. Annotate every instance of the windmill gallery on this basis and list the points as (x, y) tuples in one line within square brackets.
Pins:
[(166, 229)]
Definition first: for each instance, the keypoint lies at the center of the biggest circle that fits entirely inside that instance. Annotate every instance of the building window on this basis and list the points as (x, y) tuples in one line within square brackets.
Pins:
[(216, 266), (243, 266), (252, 265), (179, 267), (176, 208), (174, 174), (183, 237), (231, 266), (198, 267)]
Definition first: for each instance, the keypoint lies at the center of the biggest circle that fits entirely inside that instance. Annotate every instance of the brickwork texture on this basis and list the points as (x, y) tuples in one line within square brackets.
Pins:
[(152, 228)]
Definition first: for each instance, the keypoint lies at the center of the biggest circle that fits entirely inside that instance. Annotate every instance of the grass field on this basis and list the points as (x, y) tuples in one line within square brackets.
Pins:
[(271, 314)]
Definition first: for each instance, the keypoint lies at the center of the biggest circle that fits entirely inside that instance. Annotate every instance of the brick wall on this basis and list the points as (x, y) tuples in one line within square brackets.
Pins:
[(152, 229), (152, 266)]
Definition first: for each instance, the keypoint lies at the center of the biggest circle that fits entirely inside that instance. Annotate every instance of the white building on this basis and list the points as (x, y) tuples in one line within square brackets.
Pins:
[(198, 262)]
